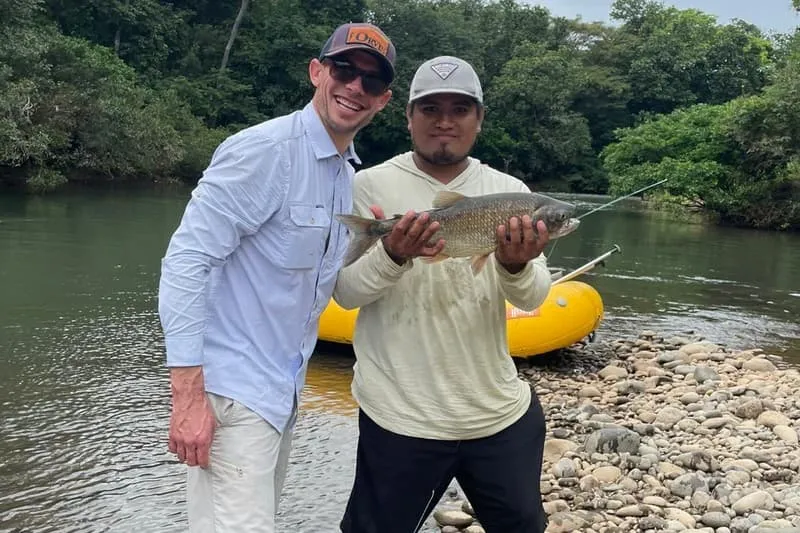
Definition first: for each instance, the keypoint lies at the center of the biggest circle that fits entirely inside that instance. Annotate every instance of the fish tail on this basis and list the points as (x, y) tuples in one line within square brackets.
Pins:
[(364, 233)]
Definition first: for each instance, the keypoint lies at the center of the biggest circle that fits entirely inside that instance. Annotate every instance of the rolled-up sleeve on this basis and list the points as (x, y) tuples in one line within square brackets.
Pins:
[(243, 187)]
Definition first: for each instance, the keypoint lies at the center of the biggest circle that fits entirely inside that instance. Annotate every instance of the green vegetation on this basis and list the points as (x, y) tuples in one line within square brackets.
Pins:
[(739, 160), (144, 90)]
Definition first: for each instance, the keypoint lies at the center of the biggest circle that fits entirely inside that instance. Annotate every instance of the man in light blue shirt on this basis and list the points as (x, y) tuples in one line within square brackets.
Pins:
[(246, 276)]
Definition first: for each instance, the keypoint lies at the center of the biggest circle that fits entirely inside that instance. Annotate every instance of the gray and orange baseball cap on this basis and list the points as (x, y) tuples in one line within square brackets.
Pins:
[(362, 36)]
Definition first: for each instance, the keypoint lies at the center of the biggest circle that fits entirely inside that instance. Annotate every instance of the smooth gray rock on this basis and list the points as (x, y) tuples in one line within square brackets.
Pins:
[(613, 440)]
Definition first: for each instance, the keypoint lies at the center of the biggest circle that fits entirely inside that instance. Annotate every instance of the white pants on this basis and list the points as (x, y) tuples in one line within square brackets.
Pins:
[(240, 489)]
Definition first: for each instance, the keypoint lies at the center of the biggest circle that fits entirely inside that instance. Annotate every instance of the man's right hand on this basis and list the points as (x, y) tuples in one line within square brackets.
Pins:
[(191, 426), (410, 237)]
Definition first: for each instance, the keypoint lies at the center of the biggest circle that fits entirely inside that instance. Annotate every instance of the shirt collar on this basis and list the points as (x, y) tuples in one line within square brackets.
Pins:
[(321, 141)]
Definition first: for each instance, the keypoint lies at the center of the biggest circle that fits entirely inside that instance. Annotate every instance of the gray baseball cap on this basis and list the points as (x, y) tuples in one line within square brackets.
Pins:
[(445, 74)]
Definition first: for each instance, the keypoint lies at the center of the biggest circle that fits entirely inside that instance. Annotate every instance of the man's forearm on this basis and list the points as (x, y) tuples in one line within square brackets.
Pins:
[(368, 279), (527, 288)]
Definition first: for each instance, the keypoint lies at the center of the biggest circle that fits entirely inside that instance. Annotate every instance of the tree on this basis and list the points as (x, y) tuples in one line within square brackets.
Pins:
[(530, 100), (234, 31), (739, 160), (504, 26), (142, 32), (123, 89), (690, 147), (677, 58), (72, 109)]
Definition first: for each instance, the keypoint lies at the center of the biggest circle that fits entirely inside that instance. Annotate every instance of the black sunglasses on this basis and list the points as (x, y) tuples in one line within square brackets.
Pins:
[(346, 72)]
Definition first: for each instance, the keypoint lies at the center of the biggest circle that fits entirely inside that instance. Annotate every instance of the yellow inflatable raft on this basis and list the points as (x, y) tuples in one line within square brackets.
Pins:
[(572, 311)]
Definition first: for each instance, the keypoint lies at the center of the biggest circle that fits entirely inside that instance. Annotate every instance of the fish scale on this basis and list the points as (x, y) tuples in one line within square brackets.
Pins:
[(470, 228)]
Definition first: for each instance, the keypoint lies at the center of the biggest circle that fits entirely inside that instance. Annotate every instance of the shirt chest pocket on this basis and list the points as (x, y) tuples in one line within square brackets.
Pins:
[(305, 231)]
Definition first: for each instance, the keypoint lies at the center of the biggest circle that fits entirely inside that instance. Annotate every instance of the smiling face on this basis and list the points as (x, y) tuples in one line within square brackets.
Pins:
[(346, 107), (444, 127)]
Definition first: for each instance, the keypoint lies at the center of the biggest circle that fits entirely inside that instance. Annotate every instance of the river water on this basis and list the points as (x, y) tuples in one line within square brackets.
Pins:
[(84, 395)]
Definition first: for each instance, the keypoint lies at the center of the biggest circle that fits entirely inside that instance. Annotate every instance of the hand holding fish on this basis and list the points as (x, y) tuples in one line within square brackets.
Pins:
[(410, 236), (520, 243)]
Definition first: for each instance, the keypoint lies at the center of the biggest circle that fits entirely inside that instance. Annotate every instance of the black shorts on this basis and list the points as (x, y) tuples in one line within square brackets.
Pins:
[(399, 480)]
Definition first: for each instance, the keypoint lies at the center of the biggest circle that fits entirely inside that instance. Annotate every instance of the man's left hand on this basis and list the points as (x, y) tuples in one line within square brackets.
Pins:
[(518, 243)]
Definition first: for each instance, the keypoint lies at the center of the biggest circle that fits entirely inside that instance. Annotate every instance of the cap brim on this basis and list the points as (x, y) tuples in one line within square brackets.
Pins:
[(444, 91)]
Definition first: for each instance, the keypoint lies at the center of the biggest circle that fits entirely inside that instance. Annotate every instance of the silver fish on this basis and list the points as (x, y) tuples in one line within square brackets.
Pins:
[(468, 224)]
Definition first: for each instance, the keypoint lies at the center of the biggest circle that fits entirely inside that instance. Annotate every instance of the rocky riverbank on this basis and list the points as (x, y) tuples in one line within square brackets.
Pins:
[(663, 434)]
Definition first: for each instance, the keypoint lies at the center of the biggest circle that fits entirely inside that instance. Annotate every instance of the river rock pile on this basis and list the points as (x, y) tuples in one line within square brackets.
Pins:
[(673, 434)]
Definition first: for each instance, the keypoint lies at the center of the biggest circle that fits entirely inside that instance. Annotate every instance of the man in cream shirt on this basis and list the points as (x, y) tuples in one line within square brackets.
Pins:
[(439, 395)]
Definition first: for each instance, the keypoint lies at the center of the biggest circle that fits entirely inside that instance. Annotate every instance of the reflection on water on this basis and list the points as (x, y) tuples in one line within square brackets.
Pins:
[(84, 395), (322, 464), (328, 380)]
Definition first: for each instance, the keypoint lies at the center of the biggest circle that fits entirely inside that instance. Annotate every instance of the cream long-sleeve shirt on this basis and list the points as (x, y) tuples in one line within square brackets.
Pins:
[(430, 340)]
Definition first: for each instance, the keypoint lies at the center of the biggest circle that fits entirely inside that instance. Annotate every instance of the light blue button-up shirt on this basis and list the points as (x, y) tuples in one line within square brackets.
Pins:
[(254, 261)]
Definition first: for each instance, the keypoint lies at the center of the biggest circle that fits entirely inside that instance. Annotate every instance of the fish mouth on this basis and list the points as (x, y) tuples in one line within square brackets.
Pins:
[(568, 227)]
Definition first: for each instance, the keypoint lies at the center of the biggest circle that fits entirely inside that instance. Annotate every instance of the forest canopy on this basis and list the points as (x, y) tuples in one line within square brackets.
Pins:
[(120, 90)]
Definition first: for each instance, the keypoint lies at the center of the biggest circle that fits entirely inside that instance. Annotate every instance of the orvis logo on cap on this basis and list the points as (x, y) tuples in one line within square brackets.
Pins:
[(368, 36), (443, 70)]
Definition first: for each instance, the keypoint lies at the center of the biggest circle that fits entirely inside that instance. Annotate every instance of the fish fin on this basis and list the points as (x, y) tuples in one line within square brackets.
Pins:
[(364, 233), (478, 262), (446, 199), (436, 258)]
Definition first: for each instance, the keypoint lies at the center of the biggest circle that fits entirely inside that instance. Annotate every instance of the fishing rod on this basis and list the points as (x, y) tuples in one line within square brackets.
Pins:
[(611, 203), (622, 198), (588, 266)]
